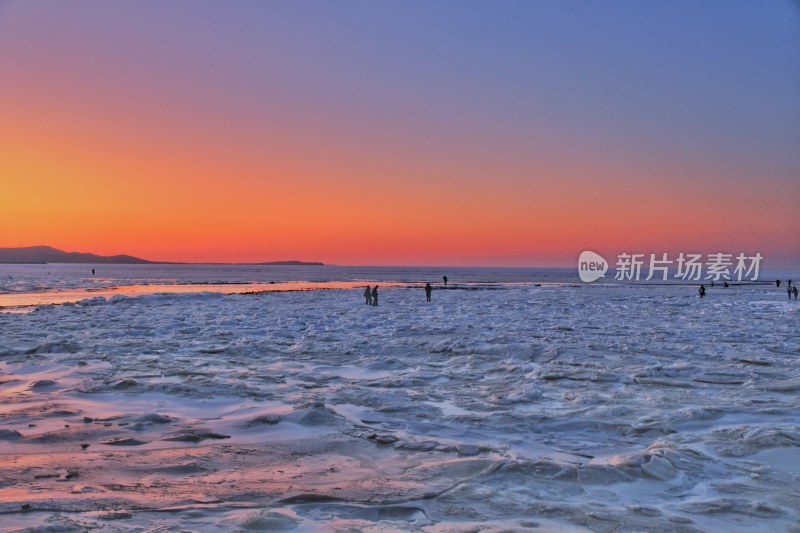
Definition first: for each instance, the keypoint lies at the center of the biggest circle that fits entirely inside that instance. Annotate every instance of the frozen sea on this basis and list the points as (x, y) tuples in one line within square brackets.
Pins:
[(209, 398)]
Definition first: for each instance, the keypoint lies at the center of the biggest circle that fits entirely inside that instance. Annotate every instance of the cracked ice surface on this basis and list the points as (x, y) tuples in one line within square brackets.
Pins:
[(584, 408)]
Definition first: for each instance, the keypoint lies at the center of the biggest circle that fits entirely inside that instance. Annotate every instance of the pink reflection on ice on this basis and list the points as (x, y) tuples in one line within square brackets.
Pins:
[(19, 301)]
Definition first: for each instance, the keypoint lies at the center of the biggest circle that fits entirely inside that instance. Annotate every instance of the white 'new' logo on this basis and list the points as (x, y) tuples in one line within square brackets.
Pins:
[(591, 266)]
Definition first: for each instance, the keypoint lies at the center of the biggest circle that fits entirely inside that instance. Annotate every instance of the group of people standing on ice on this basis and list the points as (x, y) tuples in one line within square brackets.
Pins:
[(790, 290), (702, 289), (371, 293), (429, 289)]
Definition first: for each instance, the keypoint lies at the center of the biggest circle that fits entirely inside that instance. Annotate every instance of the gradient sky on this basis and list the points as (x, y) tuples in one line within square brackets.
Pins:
[(401, 132)]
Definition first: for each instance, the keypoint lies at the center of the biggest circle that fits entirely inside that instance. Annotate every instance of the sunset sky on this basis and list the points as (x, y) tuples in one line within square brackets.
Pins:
[(401, 132)]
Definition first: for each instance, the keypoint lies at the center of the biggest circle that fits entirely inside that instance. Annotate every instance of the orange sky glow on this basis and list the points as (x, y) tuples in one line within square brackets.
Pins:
[(187, 158)]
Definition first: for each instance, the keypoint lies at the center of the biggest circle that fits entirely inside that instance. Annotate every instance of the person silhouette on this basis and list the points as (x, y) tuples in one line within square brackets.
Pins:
[(375, 295), (702, 291), (428, 290), (777, 283), (794, 291), (92, 272), (368, 295), (445, 279)]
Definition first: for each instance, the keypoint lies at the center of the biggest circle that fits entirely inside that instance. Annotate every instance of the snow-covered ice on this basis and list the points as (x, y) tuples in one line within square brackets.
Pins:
[(558, 407)]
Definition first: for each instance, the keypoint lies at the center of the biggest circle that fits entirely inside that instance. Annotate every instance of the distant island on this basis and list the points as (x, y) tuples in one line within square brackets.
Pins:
[(48, 254), (289, 263)]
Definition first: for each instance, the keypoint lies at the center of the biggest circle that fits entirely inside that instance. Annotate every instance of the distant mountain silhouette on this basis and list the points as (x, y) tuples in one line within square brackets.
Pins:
[(48, 254), (291, 263)]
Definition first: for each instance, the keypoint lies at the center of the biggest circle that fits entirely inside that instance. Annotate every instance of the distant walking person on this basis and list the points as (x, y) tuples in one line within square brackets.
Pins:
[(702, 291), (368, 295), (794, 291), (428, 290), (777, 283), (375, 295), (92, 272), (445, 279)]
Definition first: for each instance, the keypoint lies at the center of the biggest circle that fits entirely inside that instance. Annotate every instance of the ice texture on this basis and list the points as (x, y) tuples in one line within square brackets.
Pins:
[(505, 408)]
